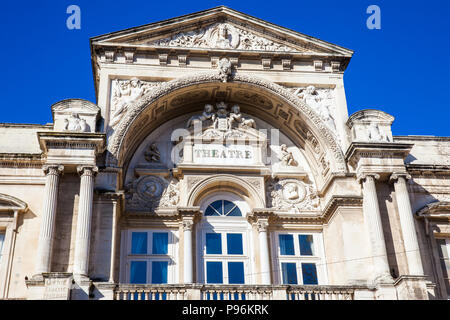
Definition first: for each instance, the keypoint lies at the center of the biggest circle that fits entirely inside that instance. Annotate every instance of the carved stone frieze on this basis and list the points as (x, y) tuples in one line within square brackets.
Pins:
[(222, 36), (322, 101), (291, 195), (124, 94)]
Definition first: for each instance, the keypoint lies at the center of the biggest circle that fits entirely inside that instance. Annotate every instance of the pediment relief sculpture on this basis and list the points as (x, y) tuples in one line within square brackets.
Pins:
[(75, 123), (124, 94), (151, 192), (291, 195), (222, 36)]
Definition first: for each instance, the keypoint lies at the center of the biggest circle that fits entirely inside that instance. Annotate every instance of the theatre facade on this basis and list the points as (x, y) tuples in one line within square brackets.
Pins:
[(220, 162)]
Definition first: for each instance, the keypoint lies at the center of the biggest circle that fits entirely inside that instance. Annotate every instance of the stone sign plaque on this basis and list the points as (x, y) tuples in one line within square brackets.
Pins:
[(57, 288), (215, 154)]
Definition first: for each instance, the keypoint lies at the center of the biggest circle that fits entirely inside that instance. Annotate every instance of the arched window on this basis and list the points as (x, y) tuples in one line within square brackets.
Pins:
[(223, 208), (224, 241)]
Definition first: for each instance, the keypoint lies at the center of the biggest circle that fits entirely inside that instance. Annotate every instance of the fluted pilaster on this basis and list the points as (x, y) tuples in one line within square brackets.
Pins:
[(46, 235), (407, 223), (372, 217), (83, 235)]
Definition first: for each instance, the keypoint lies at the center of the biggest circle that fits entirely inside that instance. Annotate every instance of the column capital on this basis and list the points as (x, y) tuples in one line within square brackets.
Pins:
[(262, 225), (187, 224), (87, 170), (363, 176), (53, 169), (396, 175)]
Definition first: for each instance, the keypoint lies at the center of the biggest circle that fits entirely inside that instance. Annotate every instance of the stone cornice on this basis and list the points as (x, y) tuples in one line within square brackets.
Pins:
[(439, 210), (21, 160), (356, 150), (420, 169), (10, 204), (340, 201), (70, 140)]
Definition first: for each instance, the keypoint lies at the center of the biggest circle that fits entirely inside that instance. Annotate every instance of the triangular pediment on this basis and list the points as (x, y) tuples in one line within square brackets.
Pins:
[(221, 28)]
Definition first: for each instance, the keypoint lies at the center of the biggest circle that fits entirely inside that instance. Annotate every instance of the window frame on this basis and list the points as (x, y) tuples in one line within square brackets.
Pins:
[(171, 256), (224, 225), (445, 279), (318, 258)]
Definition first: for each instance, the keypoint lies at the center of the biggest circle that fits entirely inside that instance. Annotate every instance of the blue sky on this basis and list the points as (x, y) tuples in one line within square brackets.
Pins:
[(402, 69)]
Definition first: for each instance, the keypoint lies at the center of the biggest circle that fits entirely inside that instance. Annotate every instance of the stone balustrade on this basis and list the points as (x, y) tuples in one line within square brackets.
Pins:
[(233, 292)]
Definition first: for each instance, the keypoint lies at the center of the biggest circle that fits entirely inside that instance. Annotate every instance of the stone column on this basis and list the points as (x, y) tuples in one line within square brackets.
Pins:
[(188, 256), (83, 235), (262, 225), (407, 223), (45, 244), (372, 217)]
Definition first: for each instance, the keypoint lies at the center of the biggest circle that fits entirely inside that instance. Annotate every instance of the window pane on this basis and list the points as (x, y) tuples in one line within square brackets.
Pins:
[(138, 272), (236, 273), (213, 243), (289, 273), (309, 273), (234, 243), (214, 272), (306, 245), (235, 212), (159, 271), (210, 212), (160, 242), (139, 243), (228, 206), (218, 205), (286, 244)]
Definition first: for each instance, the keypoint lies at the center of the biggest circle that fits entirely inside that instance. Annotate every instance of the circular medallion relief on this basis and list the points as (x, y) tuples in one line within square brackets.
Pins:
[(293, 191), (150, 187)]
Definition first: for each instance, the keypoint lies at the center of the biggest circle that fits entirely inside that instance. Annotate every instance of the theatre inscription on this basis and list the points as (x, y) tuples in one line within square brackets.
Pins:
[(223, 154)]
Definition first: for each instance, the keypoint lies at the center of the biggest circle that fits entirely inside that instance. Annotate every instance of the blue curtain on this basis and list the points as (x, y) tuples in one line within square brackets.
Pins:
[(139, 243), (214, 273), (309, 273), (306, 245), (236, 273), (159, 272), (213, 243), (289, 273), (138, 272), (286, 244), (160, 243), (234, 243)]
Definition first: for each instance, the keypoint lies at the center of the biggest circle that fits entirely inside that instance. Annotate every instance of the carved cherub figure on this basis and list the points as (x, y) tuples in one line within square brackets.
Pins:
[(224, 69), (286, 157), (153, 154), (236, 118), (208, 114)]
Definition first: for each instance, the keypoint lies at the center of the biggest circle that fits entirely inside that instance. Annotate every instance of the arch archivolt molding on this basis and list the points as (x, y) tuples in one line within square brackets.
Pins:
[(226, 183), (300, 118)]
